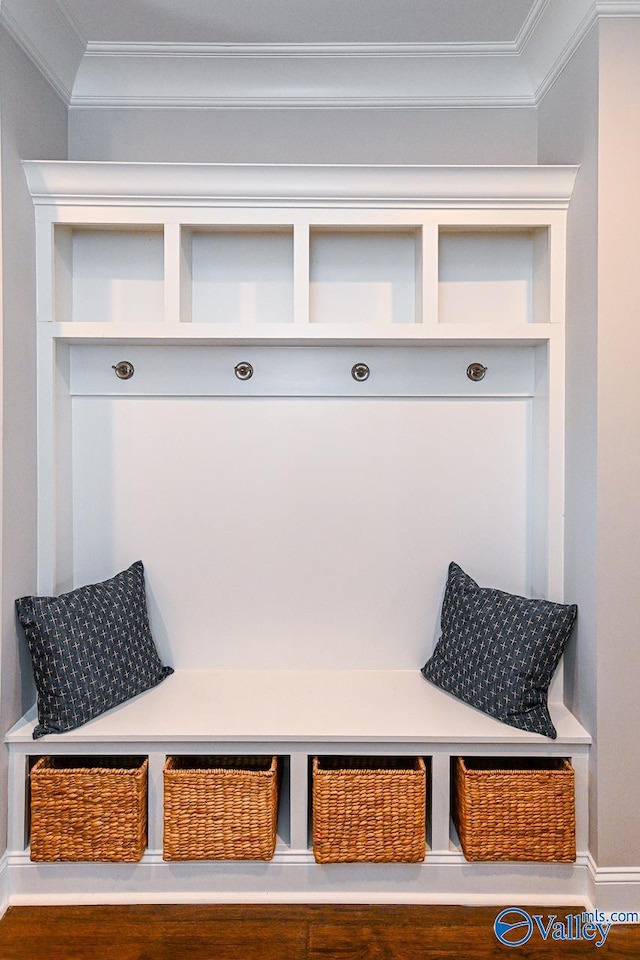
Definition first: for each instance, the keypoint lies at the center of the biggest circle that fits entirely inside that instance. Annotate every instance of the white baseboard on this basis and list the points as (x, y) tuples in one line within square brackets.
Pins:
[(4, 883), (614, 888), (294, 877)]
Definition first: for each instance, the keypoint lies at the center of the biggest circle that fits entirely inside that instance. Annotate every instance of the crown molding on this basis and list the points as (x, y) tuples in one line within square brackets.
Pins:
[(561, 33), (560, 29), (51, 40), (530, 24), (71, 23), (304, 103), (115, 184), (306, 76), (298, 50), (336, 76), (295, 76), (332, 50), (617, 8)]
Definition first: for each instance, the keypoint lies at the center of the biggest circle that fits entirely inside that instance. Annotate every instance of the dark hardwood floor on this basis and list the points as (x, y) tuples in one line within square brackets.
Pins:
[(282, 932)]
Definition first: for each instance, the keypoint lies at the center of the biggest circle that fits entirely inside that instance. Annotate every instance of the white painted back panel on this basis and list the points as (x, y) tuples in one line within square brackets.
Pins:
[(117, 276), (300, 533), (242, 277), (358, 277), (486, 277)]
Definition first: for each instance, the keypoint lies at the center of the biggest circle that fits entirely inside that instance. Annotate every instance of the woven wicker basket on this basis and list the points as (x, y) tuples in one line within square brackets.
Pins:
[(220, 808), (515, 809), (89, 808), (369, 809)]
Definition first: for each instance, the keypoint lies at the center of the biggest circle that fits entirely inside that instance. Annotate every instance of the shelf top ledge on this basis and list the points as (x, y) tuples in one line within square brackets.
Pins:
[(215, 184)]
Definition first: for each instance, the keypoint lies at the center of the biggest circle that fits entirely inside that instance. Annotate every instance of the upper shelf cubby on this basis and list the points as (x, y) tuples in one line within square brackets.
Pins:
[(299, 252), (493, 275), (113, 275), (364, 275), (240, 274)]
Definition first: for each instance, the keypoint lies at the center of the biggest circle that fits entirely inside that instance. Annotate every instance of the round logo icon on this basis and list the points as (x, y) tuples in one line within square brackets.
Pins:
[(513, 927)]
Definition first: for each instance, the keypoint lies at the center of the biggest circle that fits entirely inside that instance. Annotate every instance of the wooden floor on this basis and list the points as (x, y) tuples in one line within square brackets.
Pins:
[(279, 932)]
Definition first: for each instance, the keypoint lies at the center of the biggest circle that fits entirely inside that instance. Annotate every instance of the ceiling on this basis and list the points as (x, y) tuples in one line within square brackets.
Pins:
[(303, 53), (299, 21)]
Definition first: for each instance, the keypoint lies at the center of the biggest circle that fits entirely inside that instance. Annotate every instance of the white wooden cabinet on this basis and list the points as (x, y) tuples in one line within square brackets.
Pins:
[(296, 527)]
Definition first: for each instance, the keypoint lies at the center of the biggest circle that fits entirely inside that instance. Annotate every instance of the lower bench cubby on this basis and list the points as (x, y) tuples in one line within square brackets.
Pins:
[(89, 808), (220, 808), (369, 809), (515, 808)]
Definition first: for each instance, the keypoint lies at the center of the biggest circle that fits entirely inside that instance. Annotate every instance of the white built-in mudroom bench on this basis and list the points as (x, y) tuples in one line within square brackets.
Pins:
[(297, 393)]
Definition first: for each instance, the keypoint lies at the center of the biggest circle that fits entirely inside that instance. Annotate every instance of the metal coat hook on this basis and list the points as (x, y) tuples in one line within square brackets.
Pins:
[(243, 370), (476, 371), (124, 370), (360, 372)]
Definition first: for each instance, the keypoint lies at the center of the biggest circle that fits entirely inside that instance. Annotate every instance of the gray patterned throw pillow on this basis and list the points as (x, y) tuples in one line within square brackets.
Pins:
[(91, 649), (498, 652)]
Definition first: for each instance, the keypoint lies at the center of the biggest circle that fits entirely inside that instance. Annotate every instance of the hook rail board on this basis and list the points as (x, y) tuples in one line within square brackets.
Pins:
[(313, 371)]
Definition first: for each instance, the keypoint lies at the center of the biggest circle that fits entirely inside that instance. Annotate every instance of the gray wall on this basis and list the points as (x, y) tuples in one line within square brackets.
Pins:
[(618, 666), (305, 136), (568, 133), (33, 125)]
